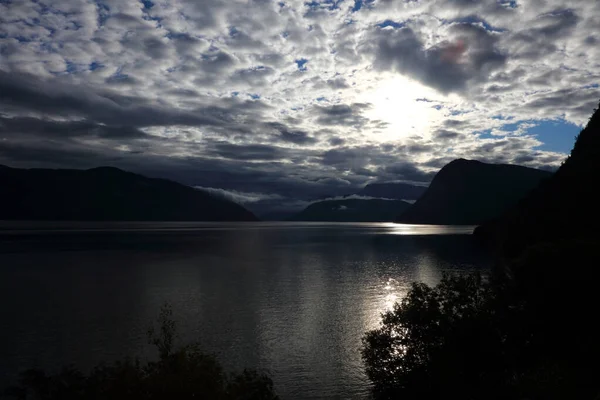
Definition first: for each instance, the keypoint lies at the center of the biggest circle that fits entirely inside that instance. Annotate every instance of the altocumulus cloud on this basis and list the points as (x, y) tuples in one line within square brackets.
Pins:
[(284, 102)]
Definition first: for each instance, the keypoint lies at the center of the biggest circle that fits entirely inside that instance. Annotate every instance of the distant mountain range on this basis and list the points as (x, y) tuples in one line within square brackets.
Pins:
[(463, 192), (352, 210), (107, 194), (397, 191), (466, 192), (380, 202)]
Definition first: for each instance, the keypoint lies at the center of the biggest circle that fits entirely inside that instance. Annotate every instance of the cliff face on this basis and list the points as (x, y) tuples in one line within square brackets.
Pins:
[(468, 192), (564, 207), (106, 194)]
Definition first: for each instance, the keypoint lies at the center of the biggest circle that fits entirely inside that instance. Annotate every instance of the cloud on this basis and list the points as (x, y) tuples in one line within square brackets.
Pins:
[(349, 115), (470, 53)]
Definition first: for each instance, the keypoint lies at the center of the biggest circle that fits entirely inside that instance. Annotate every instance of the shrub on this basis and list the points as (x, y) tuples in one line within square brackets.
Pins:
[(180, 373)]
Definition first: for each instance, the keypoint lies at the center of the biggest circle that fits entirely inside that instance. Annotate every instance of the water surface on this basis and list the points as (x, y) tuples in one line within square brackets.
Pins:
[(293, 298)]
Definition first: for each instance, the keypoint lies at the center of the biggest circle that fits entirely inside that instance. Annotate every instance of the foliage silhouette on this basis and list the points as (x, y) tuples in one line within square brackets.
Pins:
[(180, 373)]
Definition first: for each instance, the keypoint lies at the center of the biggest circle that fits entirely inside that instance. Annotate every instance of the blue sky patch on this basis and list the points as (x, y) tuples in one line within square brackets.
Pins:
[(508, 3), (472, 19), (557, 135), (95, 65), (393, 24), (147, 4), (358, 4), (301, 63)]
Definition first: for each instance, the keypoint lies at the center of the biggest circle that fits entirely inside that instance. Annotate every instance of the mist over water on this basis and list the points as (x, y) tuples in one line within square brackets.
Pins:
[(293, 298)]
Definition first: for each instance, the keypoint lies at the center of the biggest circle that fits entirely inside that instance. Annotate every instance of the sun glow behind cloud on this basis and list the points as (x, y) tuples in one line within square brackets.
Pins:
[(408, 107)]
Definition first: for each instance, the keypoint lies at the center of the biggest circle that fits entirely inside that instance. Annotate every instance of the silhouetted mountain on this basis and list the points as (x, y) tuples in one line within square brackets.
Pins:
[(398, 191), (107, 193), (352, 210), (564, 207), (467, 192)]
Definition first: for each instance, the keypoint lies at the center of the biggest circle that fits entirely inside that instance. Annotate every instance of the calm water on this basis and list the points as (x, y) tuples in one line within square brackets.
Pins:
[(293, 298)]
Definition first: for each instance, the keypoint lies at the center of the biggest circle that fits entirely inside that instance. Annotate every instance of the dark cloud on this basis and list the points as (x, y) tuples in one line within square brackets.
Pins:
[(296, 137), (454, 123), (445, 134), (471, 55), (539, 41), (407, 172), (524, 158), (248, 152), (342, 114), (18, 92), (565, 100), (346, 158), (556, 24), (336, 141), (288, 135), (338, 83), (18, 126), (417, 148), (256, 76)]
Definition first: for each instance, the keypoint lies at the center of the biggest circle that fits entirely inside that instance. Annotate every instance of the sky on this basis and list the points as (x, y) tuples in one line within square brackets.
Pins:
[(276, 103)]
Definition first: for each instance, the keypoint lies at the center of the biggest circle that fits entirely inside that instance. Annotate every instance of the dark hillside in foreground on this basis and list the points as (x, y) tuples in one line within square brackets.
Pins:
[(467, 192), (564, 207), (106, 194)]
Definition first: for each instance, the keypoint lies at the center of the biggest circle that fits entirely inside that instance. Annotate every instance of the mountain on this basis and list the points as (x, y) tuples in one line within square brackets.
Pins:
[(563, 208), (107, 193), (352, 210), (466, 192), (397, 191)]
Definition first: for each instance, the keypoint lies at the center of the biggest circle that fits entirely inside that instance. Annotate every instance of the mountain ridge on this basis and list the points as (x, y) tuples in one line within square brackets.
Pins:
[(470, 192), (107, 193)]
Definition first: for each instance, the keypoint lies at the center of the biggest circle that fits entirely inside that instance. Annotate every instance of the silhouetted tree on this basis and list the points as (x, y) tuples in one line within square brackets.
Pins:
[(438, 342), (529, 332), (180, 373)]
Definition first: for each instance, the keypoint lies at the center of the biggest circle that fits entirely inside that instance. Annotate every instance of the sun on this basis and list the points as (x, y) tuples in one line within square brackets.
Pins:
[(408, 107)]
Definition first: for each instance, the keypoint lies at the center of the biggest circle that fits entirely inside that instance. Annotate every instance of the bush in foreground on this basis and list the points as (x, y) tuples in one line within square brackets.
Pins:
[(180, 373), (528, 333)]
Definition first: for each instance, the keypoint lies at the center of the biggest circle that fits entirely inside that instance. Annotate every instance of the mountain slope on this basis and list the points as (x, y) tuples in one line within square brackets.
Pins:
[(467, 192), (352, 210), (106, 193), (563, 208), (397, 191)]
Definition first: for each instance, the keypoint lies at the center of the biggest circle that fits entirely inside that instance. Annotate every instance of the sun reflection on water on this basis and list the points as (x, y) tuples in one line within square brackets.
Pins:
[(390, 294), (383, 298), (411, 229)]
